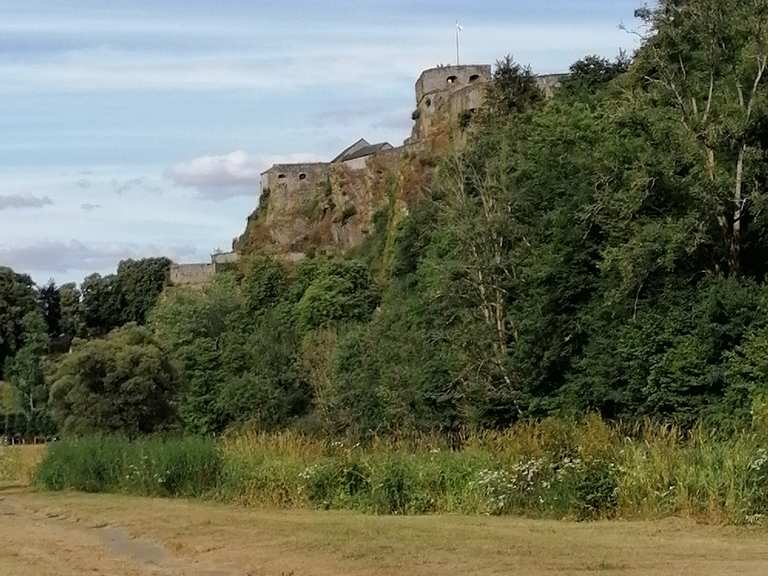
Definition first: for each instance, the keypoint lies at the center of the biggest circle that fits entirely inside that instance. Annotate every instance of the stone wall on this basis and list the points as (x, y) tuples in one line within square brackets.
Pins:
[(225, 258), (448, 78), (191, 274), (294, 178), (440, 93)]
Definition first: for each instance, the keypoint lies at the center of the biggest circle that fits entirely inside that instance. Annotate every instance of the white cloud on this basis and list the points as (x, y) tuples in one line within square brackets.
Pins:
[(10, 201), (89, 207), (228, 175)]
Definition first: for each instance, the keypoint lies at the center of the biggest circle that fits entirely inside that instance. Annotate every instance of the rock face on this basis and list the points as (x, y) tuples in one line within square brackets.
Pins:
[(324, 208)]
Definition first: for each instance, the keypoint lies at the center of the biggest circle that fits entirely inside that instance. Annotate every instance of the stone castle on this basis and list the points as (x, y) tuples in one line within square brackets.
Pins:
[(330, 206)]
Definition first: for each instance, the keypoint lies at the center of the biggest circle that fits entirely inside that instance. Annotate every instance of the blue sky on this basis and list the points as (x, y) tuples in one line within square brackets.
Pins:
[(139, 128)]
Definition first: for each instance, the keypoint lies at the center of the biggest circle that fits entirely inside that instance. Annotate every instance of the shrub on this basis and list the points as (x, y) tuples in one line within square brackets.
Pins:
[(596, 494), (124, 384)]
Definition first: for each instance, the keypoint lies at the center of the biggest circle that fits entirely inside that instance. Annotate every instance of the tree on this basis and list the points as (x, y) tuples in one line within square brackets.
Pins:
[(705, 61), (124, 383), (101, 304), (264, 283), (592, 73), (24, 371), (50, 304), (513, 90), (196, 326), (140, 283), (17, 299), (337, 291), (71, 312), (111, 301)]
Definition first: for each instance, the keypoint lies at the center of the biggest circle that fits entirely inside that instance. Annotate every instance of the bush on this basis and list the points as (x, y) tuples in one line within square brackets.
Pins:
[(596, 494), (124, 384)]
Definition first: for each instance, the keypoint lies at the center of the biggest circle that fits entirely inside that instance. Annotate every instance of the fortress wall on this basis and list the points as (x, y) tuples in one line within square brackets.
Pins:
[(437, 79), (468, 98), (294, 177), (191, 274), (436, 97), (357, 163), (226, 258)]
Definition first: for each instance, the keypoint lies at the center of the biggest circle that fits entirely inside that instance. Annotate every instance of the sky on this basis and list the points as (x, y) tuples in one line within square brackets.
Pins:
[(139, 128)]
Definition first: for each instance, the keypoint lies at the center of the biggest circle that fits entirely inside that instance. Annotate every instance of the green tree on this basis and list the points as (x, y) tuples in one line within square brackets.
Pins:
[(513, 90), (264, 283), (704, 62), (140, 283), (591, 74), (100, 304), (196, 326), (337, 291), (124, 383), (50, 304), (24, 371), (71, 312), (17, 299)]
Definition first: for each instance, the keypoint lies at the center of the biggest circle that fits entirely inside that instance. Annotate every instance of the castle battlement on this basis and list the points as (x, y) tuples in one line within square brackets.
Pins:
[(450, 78)]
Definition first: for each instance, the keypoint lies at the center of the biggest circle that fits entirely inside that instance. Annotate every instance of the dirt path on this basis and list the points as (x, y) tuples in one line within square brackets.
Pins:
[(77, 534)]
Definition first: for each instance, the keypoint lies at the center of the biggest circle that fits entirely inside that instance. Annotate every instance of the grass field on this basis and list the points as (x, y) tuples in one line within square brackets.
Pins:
[(66, 534)]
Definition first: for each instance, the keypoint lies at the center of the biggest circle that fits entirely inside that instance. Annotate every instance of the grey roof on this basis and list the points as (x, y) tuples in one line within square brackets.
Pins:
[(362, 143), (362, 152)]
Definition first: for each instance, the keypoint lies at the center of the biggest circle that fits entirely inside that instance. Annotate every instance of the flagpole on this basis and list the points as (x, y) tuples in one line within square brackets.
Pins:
[(458, 29)]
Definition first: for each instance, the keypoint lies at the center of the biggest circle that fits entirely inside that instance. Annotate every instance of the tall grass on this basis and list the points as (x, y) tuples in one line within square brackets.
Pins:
[(18, 463), (550, 469), (188, 467)]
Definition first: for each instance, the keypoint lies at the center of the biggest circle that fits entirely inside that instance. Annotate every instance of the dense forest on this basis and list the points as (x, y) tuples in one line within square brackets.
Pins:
[(603, 251)]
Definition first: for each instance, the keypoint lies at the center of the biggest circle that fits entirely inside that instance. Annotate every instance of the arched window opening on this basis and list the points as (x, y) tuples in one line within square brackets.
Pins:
[(428, 102), (281, 176), (452, 79), (474, 78), (302, 176)]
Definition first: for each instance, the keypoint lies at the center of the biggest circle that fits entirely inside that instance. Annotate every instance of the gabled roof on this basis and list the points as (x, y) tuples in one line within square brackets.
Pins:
[(360, 144), (361, 151)]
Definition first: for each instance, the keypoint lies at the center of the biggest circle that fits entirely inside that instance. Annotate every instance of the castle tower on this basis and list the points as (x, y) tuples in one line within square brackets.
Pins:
[(445, 93)]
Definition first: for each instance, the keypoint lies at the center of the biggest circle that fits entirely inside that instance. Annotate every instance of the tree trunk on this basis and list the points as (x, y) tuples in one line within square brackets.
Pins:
[(734, 257)]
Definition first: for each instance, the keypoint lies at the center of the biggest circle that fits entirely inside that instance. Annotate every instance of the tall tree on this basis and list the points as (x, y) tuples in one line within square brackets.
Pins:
[(140, 283), (17, 299), (50, 304), (707, 60), (101, 304)]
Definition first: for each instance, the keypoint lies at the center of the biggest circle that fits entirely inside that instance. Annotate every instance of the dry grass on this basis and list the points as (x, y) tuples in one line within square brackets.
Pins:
[(18, 463), (73, 534)]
